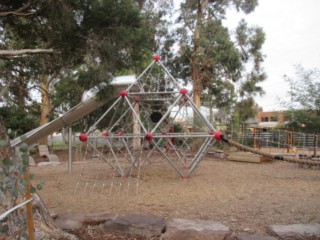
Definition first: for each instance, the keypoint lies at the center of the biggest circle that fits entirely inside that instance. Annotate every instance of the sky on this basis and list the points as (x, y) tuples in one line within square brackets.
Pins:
[(292, 37)]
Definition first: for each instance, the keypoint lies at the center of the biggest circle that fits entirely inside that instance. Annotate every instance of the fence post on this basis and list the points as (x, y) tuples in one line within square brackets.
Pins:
[(315, 143), (254, 138), (287, 141)]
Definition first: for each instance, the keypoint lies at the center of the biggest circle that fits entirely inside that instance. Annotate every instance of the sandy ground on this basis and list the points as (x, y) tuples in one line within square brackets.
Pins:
[(244, 196)]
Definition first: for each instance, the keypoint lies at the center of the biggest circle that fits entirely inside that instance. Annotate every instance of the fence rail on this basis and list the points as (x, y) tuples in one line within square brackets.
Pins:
[(278, 139)]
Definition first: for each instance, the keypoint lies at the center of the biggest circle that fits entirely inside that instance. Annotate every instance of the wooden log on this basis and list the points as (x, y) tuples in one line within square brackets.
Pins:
[(245, 157)]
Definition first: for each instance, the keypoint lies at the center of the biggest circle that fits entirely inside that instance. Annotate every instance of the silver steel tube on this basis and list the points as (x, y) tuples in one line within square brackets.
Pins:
[(103, 115), (166, 114)]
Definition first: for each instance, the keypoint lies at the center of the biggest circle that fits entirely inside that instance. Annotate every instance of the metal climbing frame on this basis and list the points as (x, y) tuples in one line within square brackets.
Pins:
[(153, 120)]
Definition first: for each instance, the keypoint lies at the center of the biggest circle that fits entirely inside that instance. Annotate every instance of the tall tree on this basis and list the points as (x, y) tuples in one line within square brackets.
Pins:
[(211, 55), (304, 103), (84, 35)]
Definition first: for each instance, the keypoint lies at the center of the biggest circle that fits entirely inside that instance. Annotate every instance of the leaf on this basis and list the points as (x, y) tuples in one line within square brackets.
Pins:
[(25, 161), (42, 181), (23, 137), (33, 190), (7, 162), (24, 182)]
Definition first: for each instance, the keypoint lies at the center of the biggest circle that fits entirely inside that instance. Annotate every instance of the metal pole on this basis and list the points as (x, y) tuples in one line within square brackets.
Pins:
[(70, 150), (166, 114), (103, 115)]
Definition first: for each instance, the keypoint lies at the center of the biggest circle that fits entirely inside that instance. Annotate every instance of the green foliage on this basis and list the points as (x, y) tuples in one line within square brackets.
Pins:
[(245, 109), (213, 57), (12, 189), (13, 167), (91, 39), (20, 119), (304, 105)]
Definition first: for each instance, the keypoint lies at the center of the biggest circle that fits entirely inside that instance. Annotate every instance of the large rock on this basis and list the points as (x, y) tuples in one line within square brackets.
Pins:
[(183, 229), (245, 236), (80, 220), (143, 225), (295, 231)]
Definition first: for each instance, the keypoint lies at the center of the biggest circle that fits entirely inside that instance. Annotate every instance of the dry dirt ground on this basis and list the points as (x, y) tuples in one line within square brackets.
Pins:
[(246, 197)]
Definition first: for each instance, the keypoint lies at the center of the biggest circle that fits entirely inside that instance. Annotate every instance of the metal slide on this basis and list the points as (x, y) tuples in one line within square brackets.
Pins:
[(88, 104)]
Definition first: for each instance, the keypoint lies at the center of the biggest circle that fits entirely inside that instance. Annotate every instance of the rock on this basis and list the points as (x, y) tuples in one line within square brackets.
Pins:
[(295, 231), (249, 230), (80, 220), (254, 237), (183, 229), (42, 164), (143, 225), (68, 224), (31, 161)]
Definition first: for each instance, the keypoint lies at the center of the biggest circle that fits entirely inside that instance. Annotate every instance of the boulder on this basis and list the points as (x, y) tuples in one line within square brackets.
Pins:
[(244, 236), (183, 229), (143, 225), (295, 231)]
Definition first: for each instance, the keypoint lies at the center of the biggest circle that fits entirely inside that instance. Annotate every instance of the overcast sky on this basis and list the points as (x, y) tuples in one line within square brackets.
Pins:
[(292, 37)]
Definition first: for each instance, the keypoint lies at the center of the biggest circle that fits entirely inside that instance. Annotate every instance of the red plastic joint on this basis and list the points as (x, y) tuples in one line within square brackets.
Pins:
[(148, 137), (156, 57), (218, 136), (83, 137), (123, 93), (183, 91), (105, 133)]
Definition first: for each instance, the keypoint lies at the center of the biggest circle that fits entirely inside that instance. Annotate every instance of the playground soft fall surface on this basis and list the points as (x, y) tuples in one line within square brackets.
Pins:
[(246, 197)]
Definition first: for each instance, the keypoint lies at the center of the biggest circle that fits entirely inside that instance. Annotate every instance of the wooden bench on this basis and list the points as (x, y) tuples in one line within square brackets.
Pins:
[(44, 152)]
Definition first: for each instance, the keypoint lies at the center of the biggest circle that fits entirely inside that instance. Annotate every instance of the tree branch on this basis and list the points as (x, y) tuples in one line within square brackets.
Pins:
[(23, 52), (17, 11)]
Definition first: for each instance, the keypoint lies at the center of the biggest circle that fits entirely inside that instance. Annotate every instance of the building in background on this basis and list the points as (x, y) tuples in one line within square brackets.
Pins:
[(270, 119)]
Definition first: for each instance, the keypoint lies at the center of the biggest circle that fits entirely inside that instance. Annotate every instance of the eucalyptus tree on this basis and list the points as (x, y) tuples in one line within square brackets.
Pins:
[(213, 57), (85, 35)]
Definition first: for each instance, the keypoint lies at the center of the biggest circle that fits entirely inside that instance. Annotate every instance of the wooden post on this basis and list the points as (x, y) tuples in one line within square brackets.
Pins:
[(260, 139), (293, 141), (288, 141), (315, 145), (30, 223), (254, 138)]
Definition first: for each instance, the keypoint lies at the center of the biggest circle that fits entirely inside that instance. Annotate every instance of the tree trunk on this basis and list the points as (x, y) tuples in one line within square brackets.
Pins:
[(21, 91), (195, 65), (197, 86), (3, 130), (46, 106), (196, 76), (45, 228)]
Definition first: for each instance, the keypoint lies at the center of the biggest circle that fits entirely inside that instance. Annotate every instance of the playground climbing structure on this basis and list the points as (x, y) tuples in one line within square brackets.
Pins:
[(154, 119)]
